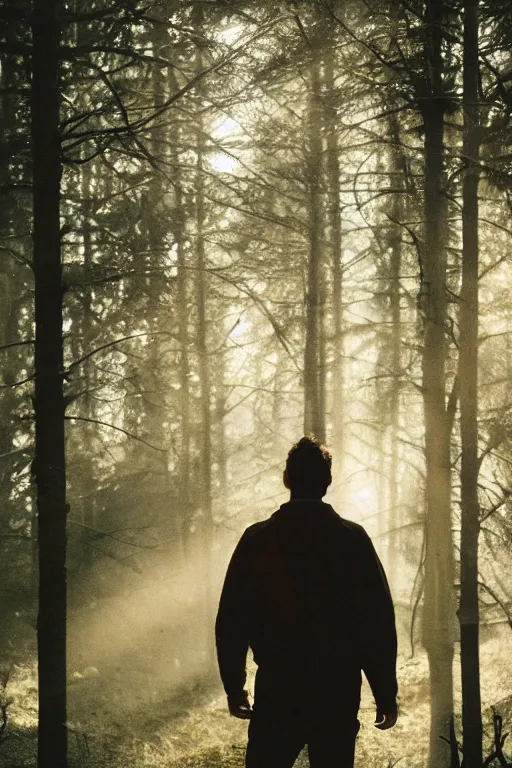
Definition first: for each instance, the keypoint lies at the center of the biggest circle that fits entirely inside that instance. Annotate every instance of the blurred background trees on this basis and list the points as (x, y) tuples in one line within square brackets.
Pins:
[(261, 223)]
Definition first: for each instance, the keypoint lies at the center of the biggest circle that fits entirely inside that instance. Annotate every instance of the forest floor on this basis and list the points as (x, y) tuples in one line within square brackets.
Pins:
[(128, 719)]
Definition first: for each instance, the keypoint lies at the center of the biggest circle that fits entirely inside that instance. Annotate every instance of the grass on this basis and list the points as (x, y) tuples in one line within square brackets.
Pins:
[(126, 718)]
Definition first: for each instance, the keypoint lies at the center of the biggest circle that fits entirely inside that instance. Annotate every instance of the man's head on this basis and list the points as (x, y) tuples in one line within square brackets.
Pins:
[(308, 469)]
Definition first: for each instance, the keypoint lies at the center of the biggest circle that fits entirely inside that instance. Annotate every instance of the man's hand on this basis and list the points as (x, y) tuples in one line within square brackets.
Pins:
[(239, 706), (386, 717)]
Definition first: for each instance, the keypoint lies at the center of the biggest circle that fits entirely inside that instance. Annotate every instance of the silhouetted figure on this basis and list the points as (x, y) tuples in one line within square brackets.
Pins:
[(306, 592)]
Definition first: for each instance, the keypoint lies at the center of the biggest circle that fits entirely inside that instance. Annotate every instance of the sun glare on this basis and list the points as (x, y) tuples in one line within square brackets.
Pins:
[(224, 163), (230, 33), (225, 127)]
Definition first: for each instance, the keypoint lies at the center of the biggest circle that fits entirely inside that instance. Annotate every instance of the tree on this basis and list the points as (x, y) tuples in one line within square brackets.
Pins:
[(439, 559), (333, 179), (314, 373), (49, 461), (468, 371), (205, 446)]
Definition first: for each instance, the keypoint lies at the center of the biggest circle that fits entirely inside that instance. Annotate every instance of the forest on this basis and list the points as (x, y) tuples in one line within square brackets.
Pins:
[(225, 224)]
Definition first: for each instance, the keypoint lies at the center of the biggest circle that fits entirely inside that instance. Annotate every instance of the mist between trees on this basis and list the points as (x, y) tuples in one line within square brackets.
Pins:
[(224, 225)]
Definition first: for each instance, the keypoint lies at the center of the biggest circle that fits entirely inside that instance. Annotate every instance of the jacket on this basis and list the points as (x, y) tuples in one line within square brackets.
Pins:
[(306, 591)]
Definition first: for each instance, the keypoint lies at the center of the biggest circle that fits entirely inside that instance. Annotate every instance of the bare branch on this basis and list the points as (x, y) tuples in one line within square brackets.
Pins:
[(17, 383), (498, 601), (117, 341), (189, 85), (111, 535), (117, 429), (17, 256), (16, 344)]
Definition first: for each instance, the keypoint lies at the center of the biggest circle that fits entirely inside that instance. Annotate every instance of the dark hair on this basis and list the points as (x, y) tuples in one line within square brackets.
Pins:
[(308, 466)]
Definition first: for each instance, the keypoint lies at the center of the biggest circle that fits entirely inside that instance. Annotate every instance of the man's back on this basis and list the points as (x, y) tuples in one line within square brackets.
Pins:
[(311, 595)]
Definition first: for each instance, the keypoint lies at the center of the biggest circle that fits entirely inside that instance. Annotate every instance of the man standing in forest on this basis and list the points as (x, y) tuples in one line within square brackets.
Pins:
[(306, 592)]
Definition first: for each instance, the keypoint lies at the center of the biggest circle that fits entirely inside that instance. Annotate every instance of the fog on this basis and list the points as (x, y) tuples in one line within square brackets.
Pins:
[(275, 220)]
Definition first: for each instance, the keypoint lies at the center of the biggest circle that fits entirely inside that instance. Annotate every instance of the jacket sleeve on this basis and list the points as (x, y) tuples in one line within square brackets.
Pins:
[(231, 633), (378, 631)]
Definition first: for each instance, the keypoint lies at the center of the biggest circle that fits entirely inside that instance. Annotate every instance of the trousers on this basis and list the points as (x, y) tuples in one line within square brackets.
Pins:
[(276, 737)]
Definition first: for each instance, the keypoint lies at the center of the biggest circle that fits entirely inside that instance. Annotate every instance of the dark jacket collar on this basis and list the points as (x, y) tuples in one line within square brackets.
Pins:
[(303, 506)]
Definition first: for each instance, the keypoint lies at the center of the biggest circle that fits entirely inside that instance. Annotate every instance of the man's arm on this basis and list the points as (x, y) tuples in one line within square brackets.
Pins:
[(378, 632), (231, 633)]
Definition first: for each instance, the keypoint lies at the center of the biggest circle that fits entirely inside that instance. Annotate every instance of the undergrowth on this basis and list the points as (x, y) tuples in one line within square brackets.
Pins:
[(126, 718)]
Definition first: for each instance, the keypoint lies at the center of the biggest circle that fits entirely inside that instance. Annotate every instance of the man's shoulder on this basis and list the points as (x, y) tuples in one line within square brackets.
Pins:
[(253, 540), (256, 529), (349, 527), (353, 537), (354, 529), (252, 533), (339, 526)]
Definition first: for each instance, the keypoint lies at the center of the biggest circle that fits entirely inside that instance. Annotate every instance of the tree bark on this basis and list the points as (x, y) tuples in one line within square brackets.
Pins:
[(314, 414), (49, 462), (398, 171), (439, 569), (221, 452), (468, 350), (85, 323), (336, 253), (179, 229), (155, 220), (204, 375), (184, 365)]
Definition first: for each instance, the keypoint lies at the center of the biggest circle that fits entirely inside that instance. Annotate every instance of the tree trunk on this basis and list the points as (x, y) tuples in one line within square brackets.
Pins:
[(85, 323), (155, 217), (221, 452), (49, 462), (204, 375), (439, 569), (179, 229), (280, 444), (336, 253), (468, 351), (314, 415), (398, 171), (184, 367)]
